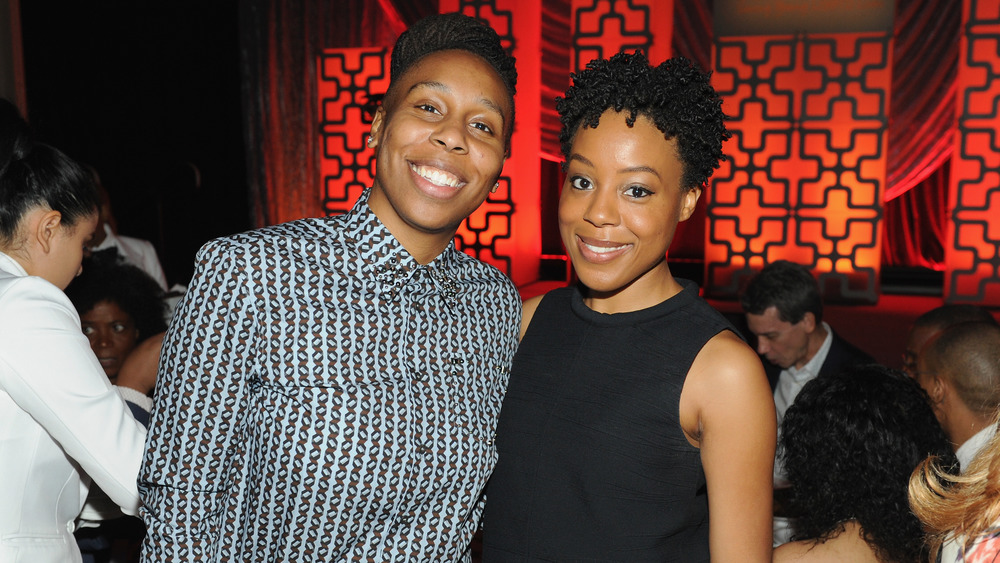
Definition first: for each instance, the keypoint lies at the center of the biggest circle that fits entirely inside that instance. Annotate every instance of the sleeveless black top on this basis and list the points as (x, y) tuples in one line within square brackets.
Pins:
[(593, 464)]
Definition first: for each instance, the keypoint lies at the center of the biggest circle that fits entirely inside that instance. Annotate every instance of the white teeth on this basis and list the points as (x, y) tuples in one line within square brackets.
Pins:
[(603, 249), (437, 177)]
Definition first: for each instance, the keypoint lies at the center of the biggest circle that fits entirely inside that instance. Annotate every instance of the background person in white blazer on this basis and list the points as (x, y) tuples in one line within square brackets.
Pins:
[(62, 424)]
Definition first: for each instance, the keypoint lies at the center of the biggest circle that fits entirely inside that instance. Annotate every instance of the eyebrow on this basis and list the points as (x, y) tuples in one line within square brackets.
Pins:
[(442, 87), (629, 170)]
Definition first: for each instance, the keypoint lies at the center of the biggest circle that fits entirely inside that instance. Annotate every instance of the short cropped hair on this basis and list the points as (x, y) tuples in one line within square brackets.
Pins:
[(787, 286), (850, 442), (675, 95), (949, 315), (968, 355), (443, 32)]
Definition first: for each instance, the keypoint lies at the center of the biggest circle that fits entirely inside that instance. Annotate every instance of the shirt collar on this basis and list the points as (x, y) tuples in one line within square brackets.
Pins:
[(385, 260), (8, 264)]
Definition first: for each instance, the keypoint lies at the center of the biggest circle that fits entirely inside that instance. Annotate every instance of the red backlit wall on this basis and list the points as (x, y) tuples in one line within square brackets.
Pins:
[(352, 80), (807, 160), (972, 250), (602, 28)]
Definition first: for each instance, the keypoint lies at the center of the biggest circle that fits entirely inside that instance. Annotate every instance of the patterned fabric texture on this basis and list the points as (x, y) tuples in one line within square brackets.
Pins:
[(324, 397)]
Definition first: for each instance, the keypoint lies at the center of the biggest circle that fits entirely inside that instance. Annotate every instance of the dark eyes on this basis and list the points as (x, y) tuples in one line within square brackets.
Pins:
[(580, 183), (637, 192), (480, 125)]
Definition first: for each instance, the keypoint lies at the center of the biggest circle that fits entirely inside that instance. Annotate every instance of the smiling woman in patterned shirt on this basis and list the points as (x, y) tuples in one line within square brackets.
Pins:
[(330, 387)]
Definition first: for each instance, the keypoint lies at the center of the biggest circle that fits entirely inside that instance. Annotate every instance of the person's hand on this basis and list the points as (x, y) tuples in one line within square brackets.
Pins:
[(139, 368)]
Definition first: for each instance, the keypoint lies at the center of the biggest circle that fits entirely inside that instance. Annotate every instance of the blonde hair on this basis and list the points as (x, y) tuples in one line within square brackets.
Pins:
[(965, 506)]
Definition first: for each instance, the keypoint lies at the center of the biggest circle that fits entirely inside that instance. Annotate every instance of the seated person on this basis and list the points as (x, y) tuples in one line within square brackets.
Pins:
[(961, 513), (133, 250), (850, 442), (120, 306), (960, 370)]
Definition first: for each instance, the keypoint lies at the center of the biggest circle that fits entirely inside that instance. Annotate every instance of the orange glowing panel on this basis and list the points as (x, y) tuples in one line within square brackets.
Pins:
[(807, 160), (972, 247)]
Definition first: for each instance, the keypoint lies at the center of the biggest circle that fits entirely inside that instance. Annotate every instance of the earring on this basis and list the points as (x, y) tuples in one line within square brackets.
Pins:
[(496, 187), (371, 141)]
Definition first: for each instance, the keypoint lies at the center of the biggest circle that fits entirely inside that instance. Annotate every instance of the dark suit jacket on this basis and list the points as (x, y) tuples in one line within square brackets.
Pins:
[(842, 354)]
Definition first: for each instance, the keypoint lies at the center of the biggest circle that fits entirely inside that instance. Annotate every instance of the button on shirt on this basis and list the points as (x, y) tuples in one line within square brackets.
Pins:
[(324, 397)]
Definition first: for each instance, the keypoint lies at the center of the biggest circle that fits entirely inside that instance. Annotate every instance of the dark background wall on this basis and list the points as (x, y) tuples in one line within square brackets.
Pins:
[(148, 94)]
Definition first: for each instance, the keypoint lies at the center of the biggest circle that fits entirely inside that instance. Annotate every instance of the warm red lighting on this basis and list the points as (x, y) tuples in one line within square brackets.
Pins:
[(972, 247), (807, 172)]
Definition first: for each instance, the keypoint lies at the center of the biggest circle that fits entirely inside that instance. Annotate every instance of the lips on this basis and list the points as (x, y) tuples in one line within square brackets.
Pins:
[(599, 251)]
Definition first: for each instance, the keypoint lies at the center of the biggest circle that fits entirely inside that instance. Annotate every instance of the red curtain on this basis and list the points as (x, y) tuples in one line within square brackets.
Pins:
[(279, 44)]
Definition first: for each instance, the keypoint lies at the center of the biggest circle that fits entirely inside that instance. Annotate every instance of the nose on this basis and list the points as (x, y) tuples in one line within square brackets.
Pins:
[(602, 209), (450, 135), (102, 338), (762, 347)]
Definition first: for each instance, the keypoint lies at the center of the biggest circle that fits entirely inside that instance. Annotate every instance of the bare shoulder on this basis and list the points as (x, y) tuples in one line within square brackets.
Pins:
[(726, 388), (725, 358), (527, 312)]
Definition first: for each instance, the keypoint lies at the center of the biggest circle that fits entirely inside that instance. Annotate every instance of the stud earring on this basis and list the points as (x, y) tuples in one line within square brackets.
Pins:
[(496, 187), (371, 141)]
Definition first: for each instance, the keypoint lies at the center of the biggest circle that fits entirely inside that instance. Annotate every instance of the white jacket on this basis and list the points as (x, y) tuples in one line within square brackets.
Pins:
[(61, 423)]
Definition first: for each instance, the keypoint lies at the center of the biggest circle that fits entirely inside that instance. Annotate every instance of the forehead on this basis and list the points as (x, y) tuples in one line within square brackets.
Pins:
[(642, 142), (105, 308), (767, 322), (458, 71)]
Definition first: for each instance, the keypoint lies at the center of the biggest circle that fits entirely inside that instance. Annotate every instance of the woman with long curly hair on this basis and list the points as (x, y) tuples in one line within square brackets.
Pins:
[(849, 443)]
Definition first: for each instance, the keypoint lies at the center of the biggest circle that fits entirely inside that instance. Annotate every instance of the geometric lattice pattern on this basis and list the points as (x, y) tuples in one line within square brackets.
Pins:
[(806, 168), (350, 83), (602, 28), (972, 254)]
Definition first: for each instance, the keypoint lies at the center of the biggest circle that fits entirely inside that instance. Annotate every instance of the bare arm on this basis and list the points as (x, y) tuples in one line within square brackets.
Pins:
[(139, 368), (728, 412)]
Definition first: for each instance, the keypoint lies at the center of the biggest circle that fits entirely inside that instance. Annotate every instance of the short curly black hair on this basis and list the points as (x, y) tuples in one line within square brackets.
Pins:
[(849, 443), (443, 32), (106, 277), (675, 95)]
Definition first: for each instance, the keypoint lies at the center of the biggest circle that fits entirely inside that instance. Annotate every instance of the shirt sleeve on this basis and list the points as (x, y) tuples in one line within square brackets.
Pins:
[(186, 475), (50, 371)]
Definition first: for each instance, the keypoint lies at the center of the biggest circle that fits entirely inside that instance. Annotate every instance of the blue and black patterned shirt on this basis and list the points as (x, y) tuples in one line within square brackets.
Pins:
[(324, 397)]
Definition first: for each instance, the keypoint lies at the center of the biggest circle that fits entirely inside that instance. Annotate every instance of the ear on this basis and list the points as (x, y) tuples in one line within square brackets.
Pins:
[(809, 321), (938, 389), (688, 202), (47, 229), (377, 122)]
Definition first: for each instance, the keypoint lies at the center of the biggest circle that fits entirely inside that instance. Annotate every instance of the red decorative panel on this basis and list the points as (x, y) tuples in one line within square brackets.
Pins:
[(351, 82), (494, 233), (602, 28), (972, 250), (807, 161), (350, 86)]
